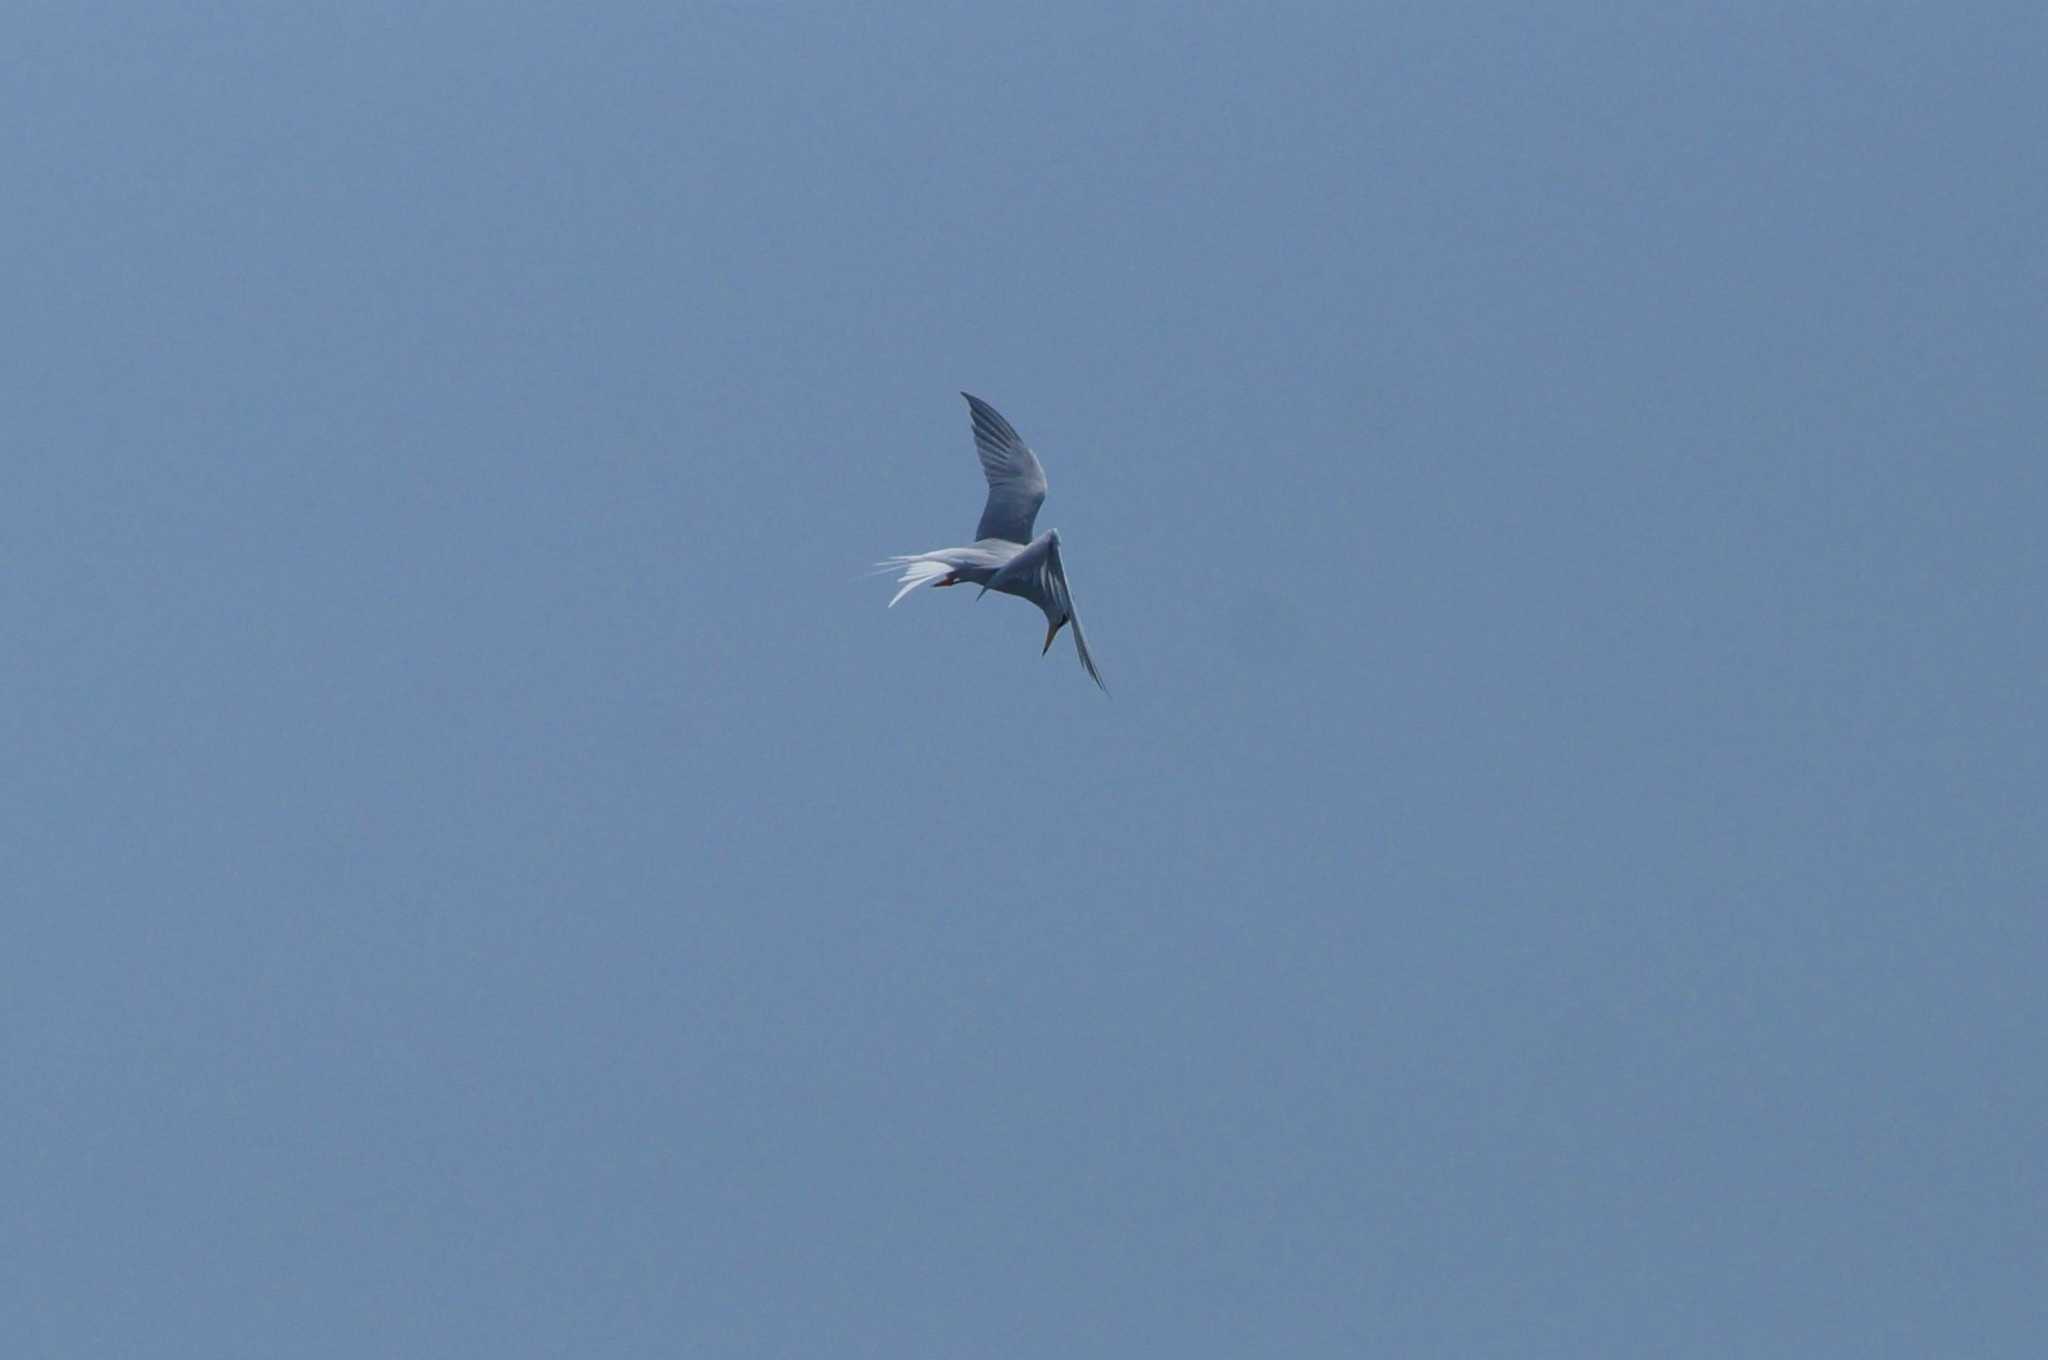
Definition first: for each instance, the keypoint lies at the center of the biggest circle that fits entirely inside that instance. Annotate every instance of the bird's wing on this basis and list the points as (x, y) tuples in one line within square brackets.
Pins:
[(1016, 483), (1056, 586)]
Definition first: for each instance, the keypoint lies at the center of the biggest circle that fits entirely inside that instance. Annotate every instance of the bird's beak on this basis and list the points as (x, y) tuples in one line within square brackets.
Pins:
[(1052, 631)]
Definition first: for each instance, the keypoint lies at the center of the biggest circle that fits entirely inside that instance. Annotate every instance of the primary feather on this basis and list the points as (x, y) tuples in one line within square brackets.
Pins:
[(1016, 483)]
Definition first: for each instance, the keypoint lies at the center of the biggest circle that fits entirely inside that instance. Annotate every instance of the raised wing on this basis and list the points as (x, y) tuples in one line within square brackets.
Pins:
[(1016, 483)]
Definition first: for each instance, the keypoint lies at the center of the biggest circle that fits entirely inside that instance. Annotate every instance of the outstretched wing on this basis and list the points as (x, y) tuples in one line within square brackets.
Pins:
[(1055, 580), (1016, 483)]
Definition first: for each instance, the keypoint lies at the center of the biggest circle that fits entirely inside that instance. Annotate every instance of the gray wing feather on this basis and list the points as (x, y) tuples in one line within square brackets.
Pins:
[(1016, 483), (1039, 574), (1056, 586)]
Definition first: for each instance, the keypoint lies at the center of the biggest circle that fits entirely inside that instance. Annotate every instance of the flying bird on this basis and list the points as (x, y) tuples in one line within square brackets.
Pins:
[(1004, 557)]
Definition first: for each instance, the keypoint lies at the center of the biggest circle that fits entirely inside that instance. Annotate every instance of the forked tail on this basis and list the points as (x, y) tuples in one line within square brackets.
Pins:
[(918, 570)]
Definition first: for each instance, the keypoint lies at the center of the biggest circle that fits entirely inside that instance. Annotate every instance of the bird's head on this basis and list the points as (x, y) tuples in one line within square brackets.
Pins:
[(1053, 624)]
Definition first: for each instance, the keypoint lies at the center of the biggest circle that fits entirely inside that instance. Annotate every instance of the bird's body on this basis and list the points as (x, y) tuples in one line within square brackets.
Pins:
[(1004, 556)]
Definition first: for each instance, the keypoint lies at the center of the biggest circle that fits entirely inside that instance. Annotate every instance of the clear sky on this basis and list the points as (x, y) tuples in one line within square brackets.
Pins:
[(1557, 493)]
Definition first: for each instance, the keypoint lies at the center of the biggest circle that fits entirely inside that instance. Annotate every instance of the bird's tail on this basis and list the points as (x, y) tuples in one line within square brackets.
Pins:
[(917, 570)]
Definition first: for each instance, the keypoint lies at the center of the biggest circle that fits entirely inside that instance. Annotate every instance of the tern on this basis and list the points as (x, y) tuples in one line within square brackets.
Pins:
[(1004, 557)]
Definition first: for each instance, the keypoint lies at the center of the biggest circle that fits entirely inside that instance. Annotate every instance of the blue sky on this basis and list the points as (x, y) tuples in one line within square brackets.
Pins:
[(1557, 497)]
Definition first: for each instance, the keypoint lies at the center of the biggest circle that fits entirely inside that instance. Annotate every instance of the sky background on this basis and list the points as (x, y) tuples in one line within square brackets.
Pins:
[(1558, 496)]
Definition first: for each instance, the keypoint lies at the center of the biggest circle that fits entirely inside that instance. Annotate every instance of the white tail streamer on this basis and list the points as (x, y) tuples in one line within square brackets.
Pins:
[(917, 571)]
